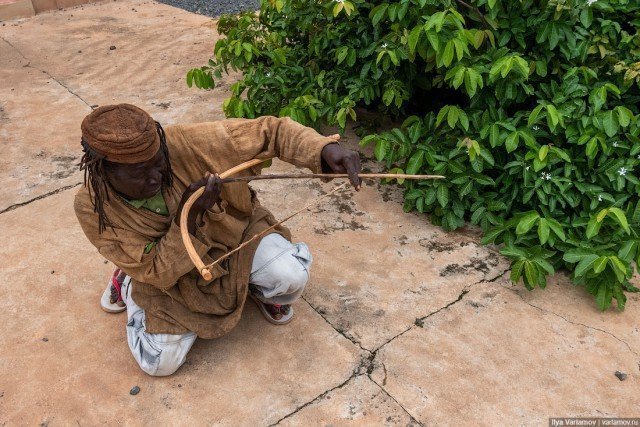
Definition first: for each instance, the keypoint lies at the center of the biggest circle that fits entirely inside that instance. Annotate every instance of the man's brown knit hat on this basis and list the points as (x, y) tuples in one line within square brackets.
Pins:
[(121, 133)]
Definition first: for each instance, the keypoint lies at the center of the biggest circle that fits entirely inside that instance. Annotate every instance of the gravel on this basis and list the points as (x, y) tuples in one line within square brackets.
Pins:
[(214, 8), (621, 375), (135, 390)]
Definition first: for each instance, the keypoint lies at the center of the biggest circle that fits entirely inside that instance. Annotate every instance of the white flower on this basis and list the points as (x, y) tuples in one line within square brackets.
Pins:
[(600, 198), (527, 168), (622, 171), (342, 1), (536, 127), (545, 175), (638, 156), (590, 2), (268, 74), (615, 144), (384, 45)]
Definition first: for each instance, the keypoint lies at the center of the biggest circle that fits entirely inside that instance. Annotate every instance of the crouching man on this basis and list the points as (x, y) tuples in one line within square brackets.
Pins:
[(137, 178)]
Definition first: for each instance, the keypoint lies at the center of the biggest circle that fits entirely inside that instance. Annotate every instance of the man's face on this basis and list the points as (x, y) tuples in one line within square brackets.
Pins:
[(137, 180)]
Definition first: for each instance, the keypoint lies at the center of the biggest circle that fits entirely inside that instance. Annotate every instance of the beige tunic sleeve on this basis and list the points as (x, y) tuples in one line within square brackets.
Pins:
[(284, 138)]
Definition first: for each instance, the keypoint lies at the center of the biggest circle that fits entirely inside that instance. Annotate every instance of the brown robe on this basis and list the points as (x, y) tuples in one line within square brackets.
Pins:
[(165, 283)]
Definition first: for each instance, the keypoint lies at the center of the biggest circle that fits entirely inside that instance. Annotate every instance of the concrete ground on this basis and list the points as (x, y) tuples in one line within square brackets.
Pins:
[(401, 324)]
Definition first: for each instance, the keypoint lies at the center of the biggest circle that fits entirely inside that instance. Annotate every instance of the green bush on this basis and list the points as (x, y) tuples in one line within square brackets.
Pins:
[(530, 108)]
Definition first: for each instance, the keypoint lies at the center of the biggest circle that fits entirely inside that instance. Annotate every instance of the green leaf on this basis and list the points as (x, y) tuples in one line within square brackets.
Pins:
[(452, 116), (628, 251), (512, 141), (619, 295), (531, 273), (527, 222), (494, 135), (593, 227), (610, 123), (393, 57), (516, 270), (618, 268), (337, 9), (377, 13), (544, 150), (600, 264), (543, 231), (442, 114), (586, 16), (533, 117), (585, 265), (415, 162), (442, 195), (553, 116), (382, 149), (556, 227), (190, 78), (604, 296), (447, 54), (575, 255), (621, 218), (624, 115), (464, 120), (414, 37), (491, 235)]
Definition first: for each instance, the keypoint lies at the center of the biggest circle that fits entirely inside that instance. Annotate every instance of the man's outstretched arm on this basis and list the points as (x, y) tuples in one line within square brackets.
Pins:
[(292, 142)]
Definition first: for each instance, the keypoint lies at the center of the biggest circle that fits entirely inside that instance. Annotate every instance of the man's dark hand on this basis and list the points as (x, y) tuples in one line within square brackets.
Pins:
[(340, 160), (210, 197)]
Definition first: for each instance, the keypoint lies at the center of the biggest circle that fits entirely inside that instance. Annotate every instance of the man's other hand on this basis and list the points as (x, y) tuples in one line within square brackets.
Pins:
[(212, 188), (340, 160)]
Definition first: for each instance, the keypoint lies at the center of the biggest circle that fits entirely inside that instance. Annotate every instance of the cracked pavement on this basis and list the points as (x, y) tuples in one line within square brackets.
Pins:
[(401, 324)]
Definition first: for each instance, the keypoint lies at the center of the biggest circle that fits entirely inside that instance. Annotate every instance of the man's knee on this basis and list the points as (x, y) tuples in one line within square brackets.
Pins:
[(159, 355), (160, 370), (292, 275)]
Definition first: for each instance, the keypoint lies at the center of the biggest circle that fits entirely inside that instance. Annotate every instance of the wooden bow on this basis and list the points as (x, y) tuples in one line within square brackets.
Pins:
[(184, 231)]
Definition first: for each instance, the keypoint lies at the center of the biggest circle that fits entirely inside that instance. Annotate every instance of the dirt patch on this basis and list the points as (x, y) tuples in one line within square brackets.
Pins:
[(340, 226), (482, 265), (402, 240), (65, 166), (436, 246), (452, 269)]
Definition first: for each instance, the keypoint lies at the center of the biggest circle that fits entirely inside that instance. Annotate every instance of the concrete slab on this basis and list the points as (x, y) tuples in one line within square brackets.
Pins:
[(492, 360), (61, 63), (574, 304), (62, 359)]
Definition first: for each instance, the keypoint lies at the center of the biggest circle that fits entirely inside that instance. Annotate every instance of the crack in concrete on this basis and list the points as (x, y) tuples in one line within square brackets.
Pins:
[(493, 280), (45, 72), (356, 373), (575, 323), (340, 331), (368, 363), (411, 417), (42, 196)]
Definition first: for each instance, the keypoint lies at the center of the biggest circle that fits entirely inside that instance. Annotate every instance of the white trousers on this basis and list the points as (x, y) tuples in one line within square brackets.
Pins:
[(279, 274)]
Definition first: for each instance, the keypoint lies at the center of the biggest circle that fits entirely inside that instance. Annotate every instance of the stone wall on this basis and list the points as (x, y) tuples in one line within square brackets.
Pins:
[(12, 9)]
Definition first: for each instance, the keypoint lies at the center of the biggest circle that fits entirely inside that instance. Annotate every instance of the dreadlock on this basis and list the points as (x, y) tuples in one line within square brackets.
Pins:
[(93, 164), (167, 178)]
